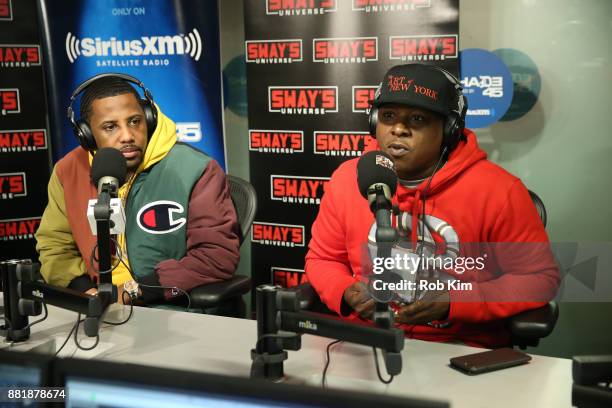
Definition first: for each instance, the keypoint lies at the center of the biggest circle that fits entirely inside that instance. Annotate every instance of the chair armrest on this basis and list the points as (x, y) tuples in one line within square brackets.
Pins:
[(306, 294), (309, 299), (535, 323), (213, 294)]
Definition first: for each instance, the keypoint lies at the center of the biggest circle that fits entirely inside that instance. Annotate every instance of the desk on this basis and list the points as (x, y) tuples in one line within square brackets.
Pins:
[(222, 345)]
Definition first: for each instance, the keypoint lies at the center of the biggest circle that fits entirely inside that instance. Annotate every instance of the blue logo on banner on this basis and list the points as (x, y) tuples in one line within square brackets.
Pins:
[(172, 47), (487, 85), (527, 82)]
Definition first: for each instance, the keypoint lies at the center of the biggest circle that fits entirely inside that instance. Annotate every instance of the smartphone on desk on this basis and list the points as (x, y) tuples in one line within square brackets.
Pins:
[(486, 361)]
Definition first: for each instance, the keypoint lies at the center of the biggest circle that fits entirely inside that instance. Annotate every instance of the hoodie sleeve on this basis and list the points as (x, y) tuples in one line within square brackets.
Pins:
[(212, 236), (327, 263), (60, 259), (529, 276)]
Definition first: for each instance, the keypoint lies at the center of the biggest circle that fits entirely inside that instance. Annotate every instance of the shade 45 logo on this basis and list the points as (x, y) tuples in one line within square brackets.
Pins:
[(345, 50), (9, 101), (276, 141), (362, 95), (17, 56), (18, 228), (6, 10), (287, 277), (284, 235), (189, 132), (13, 185), (303, 100), (26, 140), (348, 144), (377, 6), (423, 47), (299, 7), (274, 51), (297, 189)]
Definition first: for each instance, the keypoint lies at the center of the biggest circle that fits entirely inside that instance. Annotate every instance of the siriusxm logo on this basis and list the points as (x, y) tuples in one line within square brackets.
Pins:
[(179, 44)]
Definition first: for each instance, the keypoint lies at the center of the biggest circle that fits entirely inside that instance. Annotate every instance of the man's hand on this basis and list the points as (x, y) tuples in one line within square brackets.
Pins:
[(434, 306), (357, 297), (121, 298), (92, 291), (124, 297)]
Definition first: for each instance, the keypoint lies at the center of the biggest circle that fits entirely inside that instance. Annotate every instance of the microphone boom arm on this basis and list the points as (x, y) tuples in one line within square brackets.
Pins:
[(24, 293), (279, 315)]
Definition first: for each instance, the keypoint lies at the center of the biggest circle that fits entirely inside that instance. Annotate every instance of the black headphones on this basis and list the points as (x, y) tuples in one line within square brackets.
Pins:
[(453, 123), (81, 128)]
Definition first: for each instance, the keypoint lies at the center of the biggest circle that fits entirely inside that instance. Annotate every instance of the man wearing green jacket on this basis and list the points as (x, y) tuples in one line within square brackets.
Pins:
[(181, 227)]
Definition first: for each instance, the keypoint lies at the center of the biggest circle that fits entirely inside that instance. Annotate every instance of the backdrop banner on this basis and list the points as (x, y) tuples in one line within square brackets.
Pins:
[(312, 68), (171, 46), (24, 134)]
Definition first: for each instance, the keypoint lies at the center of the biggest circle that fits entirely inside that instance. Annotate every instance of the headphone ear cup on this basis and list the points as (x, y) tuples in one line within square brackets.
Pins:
[(84, 135), (451, 132), (373, 120), (150, 114)]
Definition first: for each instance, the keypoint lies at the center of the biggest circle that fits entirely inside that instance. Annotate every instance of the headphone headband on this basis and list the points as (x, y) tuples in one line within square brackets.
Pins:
[(125, 77), (458, 90)]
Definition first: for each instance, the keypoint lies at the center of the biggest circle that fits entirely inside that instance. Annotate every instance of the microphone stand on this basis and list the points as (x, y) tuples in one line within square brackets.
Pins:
[(102, 214), (386, 237), (24, 291)]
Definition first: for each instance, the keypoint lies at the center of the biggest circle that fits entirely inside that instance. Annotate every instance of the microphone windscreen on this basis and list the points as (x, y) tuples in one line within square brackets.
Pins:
[(376, 167), (108, 162)]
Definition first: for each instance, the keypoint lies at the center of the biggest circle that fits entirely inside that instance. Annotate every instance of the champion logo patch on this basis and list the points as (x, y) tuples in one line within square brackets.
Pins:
[(161, 217)]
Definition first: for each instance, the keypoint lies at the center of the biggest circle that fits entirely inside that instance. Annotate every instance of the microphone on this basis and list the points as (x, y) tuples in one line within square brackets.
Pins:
[(377, 183), (376, 175), (108, 170)]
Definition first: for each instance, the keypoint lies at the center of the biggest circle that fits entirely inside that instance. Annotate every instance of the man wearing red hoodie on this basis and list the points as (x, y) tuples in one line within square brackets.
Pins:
[(448, 194)]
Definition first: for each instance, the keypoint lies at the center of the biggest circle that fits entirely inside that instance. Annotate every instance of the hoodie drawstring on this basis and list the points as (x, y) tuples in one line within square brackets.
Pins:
[(416, 211)]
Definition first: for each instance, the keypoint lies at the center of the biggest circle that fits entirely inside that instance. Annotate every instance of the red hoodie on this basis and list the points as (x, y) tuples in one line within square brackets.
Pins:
[(481, 202)]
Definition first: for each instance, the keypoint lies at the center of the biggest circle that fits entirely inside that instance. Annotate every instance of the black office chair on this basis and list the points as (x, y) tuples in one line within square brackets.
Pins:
[(526, 328), (225, 298)]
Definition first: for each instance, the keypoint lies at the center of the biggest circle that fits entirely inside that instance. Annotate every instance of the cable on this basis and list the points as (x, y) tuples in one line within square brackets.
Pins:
[(119, 255), (39, 320), (327, 361), (93, 258), (8, 325), (76, 341), (67, 338), (423, 200), (154, 286), (129, 316), (378, 369)]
